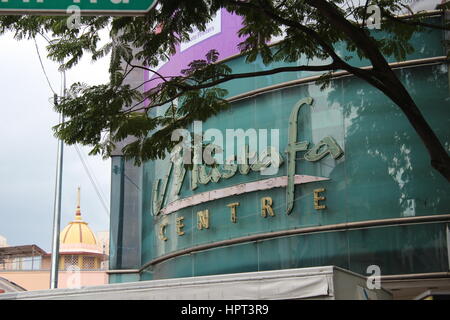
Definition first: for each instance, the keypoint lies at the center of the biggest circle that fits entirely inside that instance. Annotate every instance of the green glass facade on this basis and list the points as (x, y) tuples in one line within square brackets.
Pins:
[(383, 174)]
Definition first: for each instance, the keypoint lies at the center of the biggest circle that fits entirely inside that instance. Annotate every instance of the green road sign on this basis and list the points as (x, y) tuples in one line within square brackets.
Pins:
[(91, 7)]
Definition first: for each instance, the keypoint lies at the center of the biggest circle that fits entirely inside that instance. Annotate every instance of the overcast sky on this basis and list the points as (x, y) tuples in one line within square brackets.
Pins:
[(28, 149)]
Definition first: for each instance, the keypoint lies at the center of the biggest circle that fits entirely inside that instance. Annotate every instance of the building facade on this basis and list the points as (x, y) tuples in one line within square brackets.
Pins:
[(82, 259), (351, 184)]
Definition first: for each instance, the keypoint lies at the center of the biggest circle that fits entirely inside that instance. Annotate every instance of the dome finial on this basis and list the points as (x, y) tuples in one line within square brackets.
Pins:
[(78, 210)]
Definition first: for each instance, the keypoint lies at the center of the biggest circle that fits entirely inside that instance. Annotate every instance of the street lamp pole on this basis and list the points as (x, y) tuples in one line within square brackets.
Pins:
[(57, 204)]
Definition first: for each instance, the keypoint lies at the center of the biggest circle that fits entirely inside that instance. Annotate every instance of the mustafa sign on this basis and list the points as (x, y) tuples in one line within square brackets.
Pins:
[(166, 200)]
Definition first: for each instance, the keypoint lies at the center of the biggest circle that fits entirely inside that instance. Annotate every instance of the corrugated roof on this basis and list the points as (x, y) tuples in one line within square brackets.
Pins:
[(9, 286), (21, 251)]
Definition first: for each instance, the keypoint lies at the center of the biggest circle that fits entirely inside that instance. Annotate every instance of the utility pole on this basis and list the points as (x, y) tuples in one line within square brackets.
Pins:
[(57, 203)]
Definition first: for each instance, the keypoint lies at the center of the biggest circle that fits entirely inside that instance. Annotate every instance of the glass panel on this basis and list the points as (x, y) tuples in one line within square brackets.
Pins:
[(125, 219)]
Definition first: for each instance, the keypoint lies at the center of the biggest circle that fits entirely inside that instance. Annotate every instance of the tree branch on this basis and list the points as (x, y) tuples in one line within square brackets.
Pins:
[(328, 67), (147, 69)]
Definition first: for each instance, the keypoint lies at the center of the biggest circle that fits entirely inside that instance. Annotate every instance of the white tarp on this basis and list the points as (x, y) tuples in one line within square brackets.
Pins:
[(326, 282), (279, 284), (274, 289)]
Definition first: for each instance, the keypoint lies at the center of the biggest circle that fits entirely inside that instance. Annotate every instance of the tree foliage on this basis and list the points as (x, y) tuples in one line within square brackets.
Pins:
[(312, 30)]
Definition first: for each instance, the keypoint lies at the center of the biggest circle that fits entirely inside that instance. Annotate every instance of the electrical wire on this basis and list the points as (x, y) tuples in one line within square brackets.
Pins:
[(42, 66), (102, 194), (90, 175)]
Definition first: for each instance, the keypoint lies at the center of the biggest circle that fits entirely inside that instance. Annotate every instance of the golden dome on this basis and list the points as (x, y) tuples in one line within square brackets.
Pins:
[(77, 231)]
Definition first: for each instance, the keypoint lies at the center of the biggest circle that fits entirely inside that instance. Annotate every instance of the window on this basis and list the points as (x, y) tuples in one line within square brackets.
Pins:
[(89, 263), (70, 262)]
